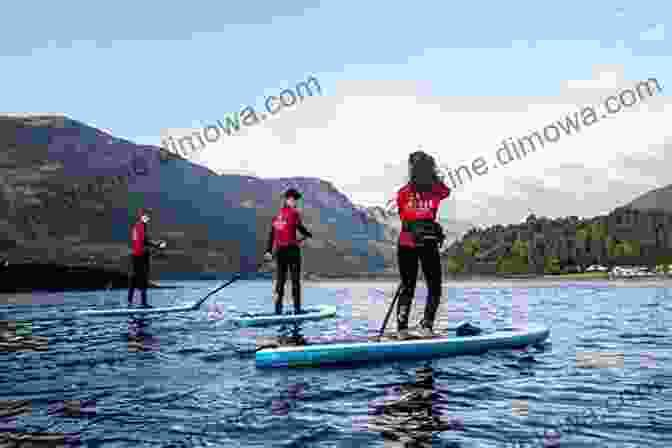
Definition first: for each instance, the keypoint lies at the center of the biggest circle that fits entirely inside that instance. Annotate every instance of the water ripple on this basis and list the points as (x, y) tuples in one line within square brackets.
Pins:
[(601, 380)]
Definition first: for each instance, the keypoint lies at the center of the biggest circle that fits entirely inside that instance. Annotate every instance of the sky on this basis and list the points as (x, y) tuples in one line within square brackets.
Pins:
[(452, 78)]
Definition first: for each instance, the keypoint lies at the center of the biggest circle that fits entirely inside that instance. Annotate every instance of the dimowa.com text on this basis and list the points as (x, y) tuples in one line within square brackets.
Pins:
[(587, 116), (249, 117)]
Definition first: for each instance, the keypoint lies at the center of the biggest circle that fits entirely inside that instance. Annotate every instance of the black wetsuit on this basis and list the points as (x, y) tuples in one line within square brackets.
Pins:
[(408, 259), (139, 277)]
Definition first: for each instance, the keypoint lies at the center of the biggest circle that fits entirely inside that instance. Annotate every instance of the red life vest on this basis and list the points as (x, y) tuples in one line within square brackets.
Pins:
[(414, 206), (285, 224), (138, 238)]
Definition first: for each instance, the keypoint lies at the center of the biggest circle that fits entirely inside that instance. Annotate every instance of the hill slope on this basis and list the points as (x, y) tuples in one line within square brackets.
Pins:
[(660, 198), (67, 190)]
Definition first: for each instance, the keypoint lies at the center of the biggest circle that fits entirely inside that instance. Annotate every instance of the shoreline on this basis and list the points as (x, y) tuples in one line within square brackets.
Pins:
[(25, 278), (498, 282), (17, 279)]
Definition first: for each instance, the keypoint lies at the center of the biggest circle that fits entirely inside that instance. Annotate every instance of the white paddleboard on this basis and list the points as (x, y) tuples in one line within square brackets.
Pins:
[(366, 349), (139, 310)]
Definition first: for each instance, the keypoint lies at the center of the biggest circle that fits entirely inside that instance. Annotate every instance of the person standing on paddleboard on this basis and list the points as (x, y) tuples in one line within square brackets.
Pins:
[(140, 243), (282, 239), (420, 239)]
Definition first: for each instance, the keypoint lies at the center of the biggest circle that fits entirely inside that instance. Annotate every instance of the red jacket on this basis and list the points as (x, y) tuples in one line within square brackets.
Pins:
[(138, 238), (415, 206), (284, 227)]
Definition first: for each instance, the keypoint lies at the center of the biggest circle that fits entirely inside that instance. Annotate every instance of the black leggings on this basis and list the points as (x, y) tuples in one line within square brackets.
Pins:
[(288, 258), (408, 259), (139, 278)]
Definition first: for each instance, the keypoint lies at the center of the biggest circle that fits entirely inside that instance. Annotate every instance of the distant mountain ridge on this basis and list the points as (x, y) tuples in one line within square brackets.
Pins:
[(392, 224), (659, 198), (68, 191)]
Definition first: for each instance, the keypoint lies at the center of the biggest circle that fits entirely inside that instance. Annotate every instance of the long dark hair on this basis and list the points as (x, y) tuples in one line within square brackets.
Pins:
[(423, 172)]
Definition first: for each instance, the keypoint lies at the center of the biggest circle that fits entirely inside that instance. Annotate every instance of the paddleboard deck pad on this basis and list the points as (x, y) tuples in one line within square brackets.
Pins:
[(139, 310), (263, 319), (316, 352)]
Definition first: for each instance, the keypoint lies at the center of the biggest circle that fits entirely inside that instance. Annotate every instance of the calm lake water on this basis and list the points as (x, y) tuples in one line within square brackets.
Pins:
[(603, 379)]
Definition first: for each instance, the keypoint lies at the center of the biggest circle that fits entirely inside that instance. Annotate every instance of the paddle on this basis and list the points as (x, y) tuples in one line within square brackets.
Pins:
[(235, 277), (200, 302), (389, 311)]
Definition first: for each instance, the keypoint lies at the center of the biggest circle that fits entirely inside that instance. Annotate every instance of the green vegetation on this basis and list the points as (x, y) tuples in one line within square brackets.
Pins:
[(611, 247), (617, 248), (582, 234), (627, 249), (664, 260), (552, 265), (517, 262), (664, 268), (472, 247), (454, 265), (512, 265), (593, 231), (520, 249), (598, 231), (593, 236)]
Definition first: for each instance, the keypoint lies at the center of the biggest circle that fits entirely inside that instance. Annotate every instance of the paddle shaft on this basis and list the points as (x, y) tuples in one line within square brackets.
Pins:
[(235, 277), (389, 311), (200, 302)]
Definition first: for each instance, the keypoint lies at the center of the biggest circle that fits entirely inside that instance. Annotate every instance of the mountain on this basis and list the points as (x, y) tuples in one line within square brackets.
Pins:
[(391, 224), (388, 220), (455, 229), (659, 198), (69, 192)]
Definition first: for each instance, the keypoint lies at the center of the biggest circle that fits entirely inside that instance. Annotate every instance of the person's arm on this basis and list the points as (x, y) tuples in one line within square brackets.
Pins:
[(442, 190), (269, 246), (301, 228), (149, 242), (392, 205), (135, 235), (156, 244), (404, 213)]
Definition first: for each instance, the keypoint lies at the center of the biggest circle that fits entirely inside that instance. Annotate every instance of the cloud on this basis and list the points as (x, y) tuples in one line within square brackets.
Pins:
[(584, 192), (359, 137), (654, 33)]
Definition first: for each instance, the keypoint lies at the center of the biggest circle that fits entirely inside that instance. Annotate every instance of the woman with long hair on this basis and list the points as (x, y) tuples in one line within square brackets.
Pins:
[(420, 239)]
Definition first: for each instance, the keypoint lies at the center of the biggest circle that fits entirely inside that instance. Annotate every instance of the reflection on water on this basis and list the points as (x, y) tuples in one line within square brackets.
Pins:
[(199, 392), (411, 414), (290, 334), (282, 406), (139, 339)]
